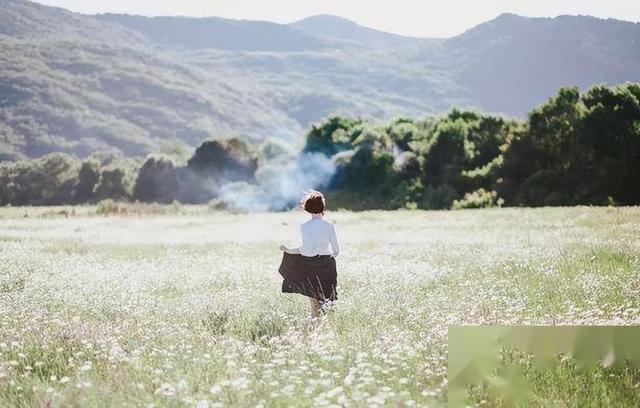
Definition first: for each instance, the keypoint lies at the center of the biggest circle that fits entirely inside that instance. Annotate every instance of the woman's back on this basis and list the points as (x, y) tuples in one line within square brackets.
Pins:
[(319, 238)]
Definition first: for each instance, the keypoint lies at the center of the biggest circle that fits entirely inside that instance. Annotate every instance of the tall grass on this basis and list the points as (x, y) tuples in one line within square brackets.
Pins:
[(185, 310)]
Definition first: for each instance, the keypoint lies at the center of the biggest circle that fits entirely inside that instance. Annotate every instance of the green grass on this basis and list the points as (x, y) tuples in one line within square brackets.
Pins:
[(562, 383), (176, 310)]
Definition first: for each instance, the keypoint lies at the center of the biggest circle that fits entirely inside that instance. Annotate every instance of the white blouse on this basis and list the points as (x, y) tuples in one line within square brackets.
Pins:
[(319, 238)]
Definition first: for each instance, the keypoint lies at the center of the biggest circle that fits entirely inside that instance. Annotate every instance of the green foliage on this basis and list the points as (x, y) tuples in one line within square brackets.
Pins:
[(574, 149), (478, 199), (439, 198), (112, 184), (448, 153), (214, 163), (49, 180), (577, 149), (404, 132), (88, 179), (229, 159), (176, 150), (157, 181), (108, 206), (265, 326), (336, 134), (407, 194), (216, 321), (111, 207), (413, 164), (611, 136), (368, 168)]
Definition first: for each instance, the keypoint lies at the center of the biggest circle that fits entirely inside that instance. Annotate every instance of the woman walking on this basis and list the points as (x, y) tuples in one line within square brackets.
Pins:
[(310, 270)]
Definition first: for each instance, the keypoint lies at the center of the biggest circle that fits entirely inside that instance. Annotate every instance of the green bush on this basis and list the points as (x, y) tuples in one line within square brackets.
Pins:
[(480, 198), (107, 207), (439, 198)]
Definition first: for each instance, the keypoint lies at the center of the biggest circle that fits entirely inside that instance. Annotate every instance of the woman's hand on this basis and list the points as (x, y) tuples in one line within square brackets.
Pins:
[(292, 251)]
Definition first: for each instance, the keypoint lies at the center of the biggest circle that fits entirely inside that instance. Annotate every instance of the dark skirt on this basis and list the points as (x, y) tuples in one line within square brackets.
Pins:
[(315, 277)]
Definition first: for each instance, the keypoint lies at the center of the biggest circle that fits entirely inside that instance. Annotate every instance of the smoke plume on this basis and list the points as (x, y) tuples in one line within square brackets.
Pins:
[(280, 182)]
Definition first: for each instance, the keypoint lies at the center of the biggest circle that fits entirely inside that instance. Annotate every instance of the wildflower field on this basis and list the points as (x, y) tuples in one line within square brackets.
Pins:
[(185, 309)]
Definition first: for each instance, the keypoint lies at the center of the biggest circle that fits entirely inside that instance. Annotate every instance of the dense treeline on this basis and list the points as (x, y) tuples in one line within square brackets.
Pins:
[(575, 149), (59, 178)]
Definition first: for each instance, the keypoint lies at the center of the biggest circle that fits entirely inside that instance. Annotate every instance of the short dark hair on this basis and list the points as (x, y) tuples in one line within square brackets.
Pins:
[(313, 202)]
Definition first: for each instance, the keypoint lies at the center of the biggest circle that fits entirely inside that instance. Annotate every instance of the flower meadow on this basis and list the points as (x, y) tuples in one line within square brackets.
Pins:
[(185, 309)]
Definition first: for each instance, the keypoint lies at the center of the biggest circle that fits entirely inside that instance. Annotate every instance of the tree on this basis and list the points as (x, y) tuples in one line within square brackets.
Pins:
[(112, 184), (553, 128), (157, 181), (48, 180), (88, 179), (226, 160), (610, 140), (542, 157), (336, 134), (60, 174), (448, 154), (214, 164), (402, 132)]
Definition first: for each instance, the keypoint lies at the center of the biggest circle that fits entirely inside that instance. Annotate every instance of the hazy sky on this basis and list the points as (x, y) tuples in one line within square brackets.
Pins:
[(424, 18)]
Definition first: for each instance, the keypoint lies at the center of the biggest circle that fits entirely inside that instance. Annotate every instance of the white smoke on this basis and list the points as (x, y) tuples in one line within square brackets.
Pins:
[(280, 183)]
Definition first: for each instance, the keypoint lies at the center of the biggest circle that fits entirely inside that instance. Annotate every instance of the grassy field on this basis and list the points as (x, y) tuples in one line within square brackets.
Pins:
[(185, 309)]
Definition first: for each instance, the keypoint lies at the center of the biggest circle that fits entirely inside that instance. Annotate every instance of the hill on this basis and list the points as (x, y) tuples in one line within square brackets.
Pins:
[(28, 20), (219, 33), (513, 63), (342, 29), (78, 83)]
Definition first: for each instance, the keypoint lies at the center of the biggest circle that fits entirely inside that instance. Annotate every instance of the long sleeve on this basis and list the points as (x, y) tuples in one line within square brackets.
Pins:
[(333, 238)]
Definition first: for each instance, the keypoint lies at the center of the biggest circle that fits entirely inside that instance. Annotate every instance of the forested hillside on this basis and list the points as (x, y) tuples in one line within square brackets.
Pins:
[(78, 84)]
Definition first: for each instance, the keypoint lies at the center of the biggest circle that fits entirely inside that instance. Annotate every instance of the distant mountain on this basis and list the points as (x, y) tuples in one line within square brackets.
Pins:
[(339, 28), (78, 83), (27, 20), (219, 33), (513, 63)]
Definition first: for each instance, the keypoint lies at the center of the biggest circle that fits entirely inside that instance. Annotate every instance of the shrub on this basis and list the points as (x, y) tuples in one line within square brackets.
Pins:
[(480, 198), (216, 321), (111, 207), (108, 206), (439, 198), (112, 184), (265, 326), (88, 179)]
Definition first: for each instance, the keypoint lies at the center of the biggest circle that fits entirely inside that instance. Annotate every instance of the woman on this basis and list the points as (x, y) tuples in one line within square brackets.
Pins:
[(310, 270)]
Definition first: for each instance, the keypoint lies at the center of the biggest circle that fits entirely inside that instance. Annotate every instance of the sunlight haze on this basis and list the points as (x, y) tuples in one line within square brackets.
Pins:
[(421, 18)]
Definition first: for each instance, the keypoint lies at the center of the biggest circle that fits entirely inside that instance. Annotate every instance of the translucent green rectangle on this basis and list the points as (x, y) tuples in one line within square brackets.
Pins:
[(474, 353)]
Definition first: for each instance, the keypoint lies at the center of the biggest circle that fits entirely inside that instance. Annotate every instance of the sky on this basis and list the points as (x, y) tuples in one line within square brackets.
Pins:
[(419, 18)]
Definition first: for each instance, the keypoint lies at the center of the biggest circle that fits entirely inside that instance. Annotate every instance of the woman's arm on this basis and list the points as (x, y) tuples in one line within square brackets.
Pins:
[(333, 238), (294, 251)]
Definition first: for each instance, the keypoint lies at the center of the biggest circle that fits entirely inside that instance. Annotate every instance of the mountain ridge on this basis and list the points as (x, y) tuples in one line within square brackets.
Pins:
[(216, 32), (336, 27)]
